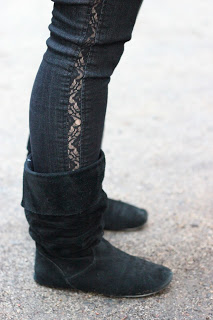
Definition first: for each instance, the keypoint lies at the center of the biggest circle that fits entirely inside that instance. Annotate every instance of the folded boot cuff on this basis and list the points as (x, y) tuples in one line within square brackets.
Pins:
[(64, 193)]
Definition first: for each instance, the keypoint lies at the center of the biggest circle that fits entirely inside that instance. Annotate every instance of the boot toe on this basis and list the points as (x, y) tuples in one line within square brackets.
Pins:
[(146, 279), (124, 216), (139, 217), (161, 277)]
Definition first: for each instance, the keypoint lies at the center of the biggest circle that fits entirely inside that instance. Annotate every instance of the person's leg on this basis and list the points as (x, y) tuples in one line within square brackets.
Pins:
[(62, 195), (69, 96)]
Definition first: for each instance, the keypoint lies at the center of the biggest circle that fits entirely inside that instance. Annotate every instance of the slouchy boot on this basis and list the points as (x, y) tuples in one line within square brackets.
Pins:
[(70, 250)]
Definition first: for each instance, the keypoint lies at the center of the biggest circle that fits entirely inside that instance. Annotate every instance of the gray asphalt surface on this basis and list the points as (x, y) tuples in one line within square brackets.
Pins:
[(158, 144)]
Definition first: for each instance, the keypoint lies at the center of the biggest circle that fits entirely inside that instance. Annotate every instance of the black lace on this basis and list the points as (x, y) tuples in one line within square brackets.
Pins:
[(75, 90)]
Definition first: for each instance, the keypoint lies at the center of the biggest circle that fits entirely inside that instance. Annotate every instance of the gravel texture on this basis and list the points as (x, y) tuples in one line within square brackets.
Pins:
[(158, 144)]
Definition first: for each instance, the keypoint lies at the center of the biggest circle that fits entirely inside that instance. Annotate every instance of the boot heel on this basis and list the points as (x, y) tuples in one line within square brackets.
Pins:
[(48, 274)]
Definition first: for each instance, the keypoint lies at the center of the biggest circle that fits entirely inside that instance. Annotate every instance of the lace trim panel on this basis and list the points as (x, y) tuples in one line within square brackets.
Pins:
[(74, 107)]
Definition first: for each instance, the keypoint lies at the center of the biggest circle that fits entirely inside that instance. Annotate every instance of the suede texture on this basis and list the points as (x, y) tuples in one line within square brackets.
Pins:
[(65, 210), (65, 193), (108, 271), (70, 250), (120, 215)]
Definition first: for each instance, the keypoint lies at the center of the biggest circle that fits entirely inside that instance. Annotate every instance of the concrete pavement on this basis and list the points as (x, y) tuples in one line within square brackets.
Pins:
[(158, 144)]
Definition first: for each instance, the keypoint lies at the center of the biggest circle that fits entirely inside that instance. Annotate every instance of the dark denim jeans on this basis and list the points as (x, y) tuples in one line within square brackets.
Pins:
[(69, 96)]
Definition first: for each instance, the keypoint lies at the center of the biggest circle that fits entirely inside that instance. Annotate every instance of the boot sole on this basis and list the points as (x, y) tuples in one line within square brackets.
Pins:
[(43, 284), (152, 293), (127, 229)]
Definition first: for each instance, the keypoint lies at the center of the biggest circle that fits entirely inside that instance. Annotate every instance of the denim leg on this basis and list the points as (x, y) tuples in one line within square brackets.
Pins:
[(69, 96)]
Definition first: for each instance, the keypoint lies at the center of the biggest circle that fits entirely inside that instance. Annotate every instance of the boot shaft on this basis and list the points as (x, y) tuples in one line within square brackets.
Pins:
[(65, 210)]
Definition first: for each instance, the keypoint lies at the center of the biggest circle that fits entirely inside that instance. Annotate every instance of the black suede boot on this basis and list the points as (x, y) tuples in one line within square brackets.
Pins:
[(70, 250)]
